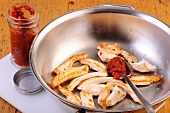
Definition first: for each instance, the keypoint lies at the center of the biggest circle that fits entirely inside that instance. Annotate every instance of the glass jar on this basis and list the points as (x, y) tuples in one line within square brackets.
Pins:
[(23, 22)]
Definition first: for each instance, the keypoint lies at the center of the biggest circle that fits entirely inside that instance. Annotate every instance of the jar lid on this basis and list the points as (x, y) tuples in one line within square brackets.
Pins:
[(26, 82)]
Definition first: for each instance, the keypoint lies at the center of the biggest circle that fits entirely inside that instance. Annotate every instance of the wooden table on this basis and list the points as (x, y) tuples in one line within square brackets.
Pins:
[(51, 9)]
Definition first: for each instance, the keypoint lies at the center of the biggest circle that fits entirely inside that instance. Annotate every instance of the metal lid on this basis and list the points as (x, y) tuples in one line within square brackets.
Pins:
[(26, 82)]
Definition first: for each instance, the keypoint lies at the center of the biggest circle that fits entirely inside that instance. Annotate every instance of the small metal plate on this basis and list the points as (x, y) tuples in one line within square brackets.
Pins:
[(26, 82)]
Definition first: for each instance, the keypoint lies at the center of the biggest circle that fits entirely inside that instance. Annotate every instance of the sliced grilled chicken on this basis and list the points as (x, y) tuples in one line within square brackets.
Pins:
[(145, 80), (116, 96), (109, 51), (110, 48), (127, 88), (96, 80), (104, 95), (77, 80), (69, 74), (143, 66), (69, 63), (94, 89), (94, 64), (69, 95), (129, 57), (105, 56), (87, 99)]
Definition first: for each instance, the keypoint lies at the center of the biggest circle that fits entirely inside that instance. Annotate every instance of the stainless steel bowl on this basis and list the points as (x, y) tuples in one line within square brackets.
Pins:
[(80, 31)]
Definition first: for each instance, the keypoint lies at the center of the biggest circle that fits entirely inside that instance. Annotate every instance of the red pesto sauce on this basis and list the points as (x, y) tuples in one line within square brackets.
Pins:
[(17, 12), (117, 67), (21, 38)]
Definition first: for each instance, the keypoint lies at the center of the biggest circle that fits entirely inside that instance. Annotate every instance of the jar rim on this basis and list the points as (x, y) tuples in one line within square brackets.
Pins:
[(30, 18)]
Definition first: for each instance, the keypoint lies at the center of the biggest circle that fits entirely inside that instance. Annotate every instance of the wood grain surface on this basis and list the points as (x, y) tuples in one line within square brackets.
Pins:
[(51, 9)]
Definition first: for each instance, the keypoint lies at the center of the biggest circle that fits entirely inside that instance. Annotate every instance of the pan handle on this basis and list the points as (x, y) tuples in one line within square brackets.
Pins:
[(118, 6), (81, 111)]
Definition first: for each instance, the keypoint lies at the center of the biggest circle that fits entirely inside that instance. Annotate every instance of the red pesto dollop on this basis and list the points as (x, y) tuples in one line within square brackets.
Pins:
[(20, 11), (117, 67)]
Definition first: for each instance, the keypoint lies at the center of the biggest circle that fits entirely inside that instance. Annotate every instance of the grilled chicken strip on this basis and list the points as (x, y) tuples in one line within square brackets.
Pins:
[(69, 63), (69, 95), (116, 96), (145, 80), (104, 95), (77, 80), (94, 89), (96, 80), (129, 57), (143, 66), (110, 48), (69, 74), (127, 88), (87, 99), (105, 56), (94, 64), (109, 51)]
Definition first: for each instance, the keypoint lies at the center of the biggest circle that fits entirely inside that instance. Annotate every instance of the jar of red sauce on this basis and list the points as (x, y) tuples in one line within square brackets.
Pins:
[(23, 22)]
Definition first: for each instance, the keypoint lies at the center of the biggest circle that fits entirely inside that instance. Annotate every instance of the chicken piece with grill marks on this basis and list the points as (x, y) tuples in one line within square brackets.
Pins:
[(94, 64), (77, 80), (145, 79), (105, 56), (109, 51), (143, 66), (110, 48), (129, 57), (127, 88), (69, 74), (104, 95), (94, 89), (69, 95), (87, 99), (117, 95), (69, 62), (96, 80)]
